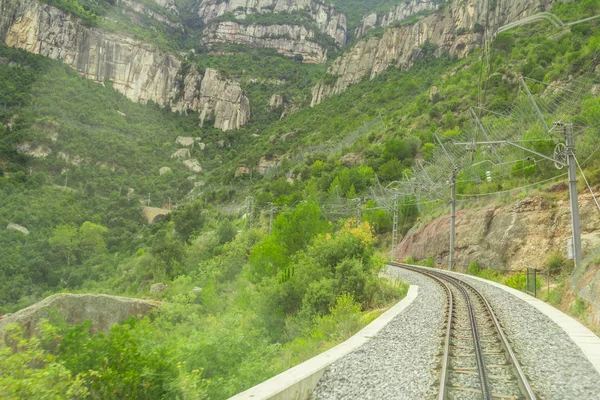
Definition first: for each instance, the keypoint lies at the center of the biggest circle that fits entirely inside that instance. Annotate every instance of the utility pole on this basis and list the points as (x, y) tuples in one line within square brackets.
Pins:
[(572, 169), (271, 209), (249, 209), (358, 211), (452, 218), (395, 227), (568, 161)]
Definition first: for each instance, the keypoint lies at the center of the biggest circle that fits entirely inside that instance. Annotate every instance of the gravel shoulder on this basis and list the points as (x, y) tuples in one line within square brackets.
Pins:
[(402, 361)]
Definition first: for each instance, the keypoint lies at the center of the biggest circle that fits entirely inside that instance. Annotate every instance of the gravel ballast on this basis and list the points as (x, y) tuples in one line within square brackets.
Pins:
[(555, 366), (402, 361)]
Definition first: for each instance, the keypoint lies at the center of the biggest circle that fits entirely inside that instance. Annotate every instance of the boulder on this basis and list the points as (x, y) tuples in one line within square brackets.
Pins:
[(265, 164), (19, 228), (242, 170), (158, 287), (164, 170), (181, 154), (193, 165), (434, 93), (287, 136), (102, 310), (351, 159), (185, 141), (276, 101)]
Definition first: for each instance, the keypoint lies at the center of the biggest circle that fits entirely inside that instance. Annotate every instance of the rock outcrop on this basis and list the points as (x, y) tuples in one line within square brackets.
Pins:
[(32, 150), (104, 311), (451, 29), (401, 12), (327, 20), (516, 235), (18, 228), (137, 69), (135, 10), (214, 97), (276, 101), (193, 165), (289, 40), (268, 164)]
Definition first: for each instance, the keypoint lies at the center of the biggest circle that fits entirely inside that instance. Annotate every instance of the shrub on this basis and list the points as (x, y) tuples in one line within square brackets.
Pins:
[(474, 268), (320, 296), (490, 274), (344, 319), (555, 296), (428, 262), (555, 263), (579, 308), (517, 281)]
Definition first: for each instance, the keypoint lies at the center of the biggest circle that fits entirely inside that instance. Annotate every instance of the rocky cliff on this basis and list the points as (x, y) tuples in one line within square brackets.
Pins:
[(516, 235), (214, 97), (104, 311), (402, 12), (452, 29), (137, 69), (135, 11), (324, 16), (289, 40)]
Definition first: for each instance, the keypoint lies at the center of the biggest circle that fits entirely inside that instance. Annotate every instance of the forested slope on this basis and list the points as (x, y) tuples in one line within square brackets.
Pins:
[(245, 299)]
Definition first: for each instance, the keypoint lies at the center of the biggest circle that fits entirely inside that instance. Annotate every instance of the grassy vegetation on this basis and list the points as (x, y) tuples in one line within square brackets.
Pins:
[(241, 305)]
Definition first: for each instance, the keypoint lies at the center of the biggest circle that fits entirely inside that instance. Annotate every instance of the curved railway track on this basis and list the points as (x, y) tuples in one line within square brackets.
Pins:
[(477, 360)]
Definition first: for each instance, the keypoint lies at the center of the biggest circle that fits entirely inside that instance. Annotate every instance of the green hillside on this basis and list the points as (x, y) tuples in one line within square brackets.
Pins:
[(244, 301)]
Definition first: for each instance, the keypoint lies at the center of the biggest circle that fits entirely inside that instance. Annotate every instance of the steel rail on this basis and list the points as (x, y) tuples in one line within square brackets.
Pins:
[(446, 354), (463, 286)]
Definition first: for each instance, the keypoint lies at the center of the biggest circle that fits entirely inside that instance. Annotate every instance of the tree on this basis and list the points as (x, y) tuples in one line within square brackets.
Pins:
[(91, 239), (396, 150), (226, 231), (65, 239), (504, 42), (189, 220)]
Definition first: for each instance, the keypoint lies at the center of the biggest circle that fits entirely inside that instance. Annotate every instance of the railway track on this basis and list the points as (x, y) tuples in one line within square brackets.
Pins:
[(477, 360)]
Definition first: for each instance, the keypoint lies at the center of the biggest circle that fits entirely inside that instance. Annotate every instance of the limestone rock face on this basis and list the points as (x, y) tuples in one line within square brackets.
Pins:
[(137, 69), (402, 12), (450, 29), (289, 40), (324, 16), (104, 311), (214, 97), (185, 141), (516, 235), (135, 10), (33, 150), (181, 154), (193, 165), (276, 101), (266, 164), (242, 170)]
